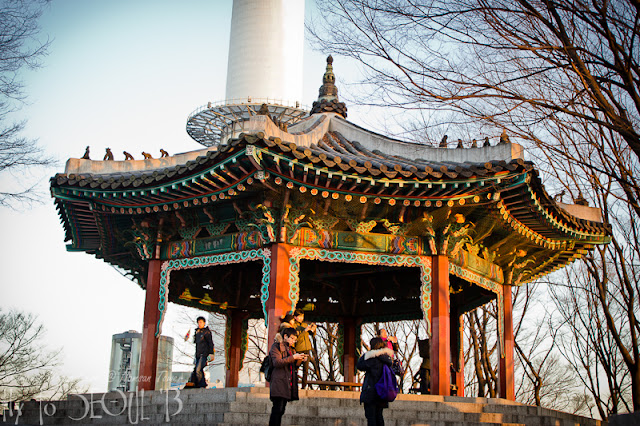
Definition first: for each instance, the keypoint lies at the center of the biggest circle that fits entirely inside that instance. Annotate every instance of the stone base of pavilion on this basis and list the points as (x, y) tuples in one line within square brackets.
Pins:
[(251, 406)]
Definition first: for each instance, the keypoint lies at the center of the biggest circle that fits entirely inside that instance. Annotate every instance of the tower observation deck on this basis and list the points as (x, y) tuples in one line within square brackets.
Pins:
[(264, 67)]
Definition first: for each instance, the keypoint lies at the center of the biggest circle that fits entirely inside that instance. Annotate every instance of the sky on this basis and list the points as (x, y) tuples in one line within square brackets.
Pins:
[(123, 75)]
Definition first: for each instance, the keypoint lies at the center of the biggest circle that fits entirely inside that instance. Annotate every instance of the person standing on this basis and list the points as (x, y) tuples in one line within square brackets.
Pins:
[(204, 353), (284, 378), (372, 362), (287, 321), (390, 341), (303, 345)]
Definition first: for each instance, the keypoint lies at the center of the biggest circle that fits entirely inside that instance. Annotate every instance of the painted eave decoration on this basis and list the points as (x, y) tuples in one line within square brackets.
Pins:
[(105, 206)]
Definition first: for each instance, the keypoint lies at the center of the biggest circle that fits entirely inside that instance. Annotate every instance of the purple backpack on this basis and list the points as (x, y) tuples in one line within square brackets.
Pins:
[(387, 386)]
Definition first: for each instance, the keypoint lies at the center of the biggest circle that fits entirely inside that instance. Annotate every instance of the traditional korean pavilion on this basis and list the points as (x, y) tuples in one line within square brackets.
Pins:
[(367, 227)]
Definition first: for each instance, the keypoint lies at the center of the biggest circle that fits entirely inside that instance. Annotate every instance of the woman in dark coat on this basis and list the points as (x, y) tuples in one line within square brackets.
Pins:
[(283, 386), (371, 362)]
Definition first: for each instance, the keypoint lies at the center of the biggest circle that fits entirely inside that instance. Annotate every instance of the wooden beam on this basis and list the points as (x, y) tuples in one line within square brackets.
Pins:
[(507, 384), (149, 348), (440, 326), (278, 302), (235, 350)]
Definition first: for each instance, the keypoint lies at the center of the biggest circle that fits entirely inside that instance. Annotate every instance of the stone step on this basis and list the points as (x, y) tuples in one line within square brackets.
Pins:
[(248, 406)]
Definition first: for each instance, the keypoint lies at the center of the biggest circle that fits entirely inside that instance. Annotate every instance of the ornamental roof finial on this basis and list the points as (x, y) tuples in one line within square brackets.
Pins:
[(328, 94)]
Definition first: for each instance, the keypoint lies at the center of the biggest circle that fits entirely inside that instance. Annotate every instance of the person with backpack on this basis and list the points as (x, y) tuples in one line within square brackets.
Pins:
[(373, 363), (283, 386)]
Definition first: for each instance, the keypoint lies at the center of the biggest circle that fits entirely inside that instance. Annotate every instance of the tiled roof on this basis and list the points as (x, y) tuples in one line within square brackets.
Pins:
[(332, 151)]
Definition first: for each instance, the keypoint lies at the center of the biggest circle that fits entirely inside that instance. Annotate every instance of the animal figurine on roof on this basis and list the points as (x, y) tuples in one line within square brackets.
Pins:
[(146, 155), (163, 153), (108, 156), (443, 142), (504, 138), (86, 154), (580, 200), (264, 110), (127, 156), (558, 197)]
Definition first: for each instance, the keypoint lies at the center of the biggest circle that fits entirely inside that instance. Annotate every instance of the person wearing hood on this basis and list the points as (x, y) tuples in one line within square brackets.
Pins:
[(371, 363), (283, 386), (204, 353)]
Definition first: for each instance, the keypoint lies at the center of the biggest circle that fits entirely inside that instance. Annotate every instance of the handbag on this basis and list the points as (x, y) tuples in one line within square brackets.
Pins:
[(397, 369)]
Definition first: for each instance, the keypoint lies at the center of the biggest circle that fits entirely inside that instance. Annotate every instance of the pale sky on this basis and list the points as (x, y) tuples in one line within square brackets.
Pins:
[(124, 75)]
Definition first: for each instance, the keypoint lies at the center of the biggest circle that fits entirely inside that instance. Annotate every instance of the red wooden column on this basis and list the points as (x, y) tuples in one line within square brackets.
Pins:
[(349, 356), (440, 327), (235, 352), (507, 387), (149, 348), (278, 302)]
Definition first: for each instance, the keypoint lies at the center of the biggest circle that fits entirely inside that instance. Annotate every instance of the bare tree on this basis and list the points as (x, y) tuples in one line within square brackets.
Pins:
[(481, 328), (20, 49), (595, 165), (564, 77), (27, 368), (482, 58)]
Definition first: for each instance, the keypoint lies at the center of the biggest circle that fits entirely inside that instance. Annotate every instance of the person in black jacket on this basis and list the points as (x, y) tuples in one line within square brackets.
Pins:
[(204, 353), (371, 362), (284, 378)]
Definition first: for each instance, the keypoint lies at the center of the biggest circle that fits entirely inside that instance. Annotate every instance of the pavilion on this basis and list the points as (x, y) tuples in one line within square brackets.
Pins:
[(371, 228)]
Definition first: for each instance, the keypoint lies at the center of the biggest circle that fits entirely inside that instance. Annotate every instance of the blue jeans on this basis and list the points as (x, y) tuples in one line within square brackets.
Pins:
[(197, 377)]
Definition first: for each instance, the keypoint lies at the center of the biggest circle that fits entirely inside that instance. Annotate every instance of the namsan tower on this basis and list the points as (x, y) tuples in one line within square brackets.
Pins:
[(265, 50), (264, 70)]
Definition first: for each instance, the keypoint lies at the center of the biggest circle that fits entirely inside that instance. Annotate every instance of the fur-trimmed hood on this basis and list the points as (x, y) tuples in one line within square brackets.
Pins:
[(377, 352)]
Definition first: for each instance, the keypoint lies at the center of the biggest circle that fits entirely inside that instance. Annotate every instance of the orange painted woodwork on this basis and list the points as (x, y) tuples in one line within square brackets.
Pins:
[(440, 327), (149, 348), (278, 302), (507, 387)]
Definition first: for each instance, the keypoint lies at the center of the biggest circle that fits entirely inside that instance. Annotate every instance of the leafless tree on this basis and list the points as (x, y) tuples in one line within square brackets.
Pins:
[(20, 49), (482, 354), (482, 58), (561, 75), (595, 164), (325, 361), (27, 368), (545, 378)]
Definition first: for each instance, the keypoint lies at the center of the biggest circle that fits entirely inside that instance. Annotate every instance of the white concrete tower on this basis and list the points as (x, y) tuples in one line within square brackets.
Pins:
[(264, 72), (265, 51)]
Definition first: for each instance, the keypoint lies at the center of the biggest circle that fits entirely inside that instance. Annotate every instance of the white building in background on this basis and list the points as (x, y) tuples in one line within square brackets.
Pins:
[(125, 361), (265, 51), (264, 71)]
